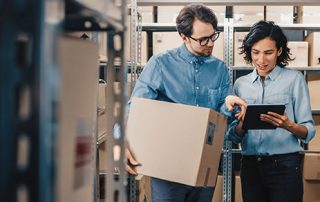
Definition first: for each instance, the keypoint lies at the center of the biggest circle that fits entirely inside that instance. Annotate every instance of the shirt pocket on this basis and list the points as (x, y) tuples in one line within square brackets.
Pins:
[(214, 97), (250, 100), (282, 99)]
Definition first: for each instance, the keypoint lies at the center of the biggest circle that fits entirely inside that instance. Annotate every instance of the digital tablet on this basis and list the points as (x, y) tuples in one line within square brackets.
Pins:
[(252, 116)]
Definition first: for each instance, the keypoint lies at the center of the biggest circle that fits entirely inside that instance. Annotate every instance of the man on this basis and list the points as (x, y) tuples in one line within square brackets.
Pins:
[(189, 75)]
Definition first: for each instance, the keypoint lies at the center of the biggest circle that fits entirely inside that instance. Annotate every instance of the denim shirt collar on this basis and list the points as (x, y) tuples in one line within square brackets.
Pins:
[(190, 57), (272, 75)]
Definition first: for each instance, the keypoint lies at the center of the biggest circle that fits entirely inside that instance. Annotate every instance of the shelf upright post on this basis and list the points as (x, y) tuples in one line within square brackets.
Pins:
[(227, 151), (133, 41), (28, 89), (116, 179)]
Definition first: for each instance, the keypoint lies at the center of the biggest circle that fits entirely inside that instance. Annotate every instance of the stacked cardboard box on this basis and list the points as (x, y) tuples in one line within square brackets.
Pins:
[(280, 14), (168, 40), (217, 196), (311, 177), (247, 15), (299, 51), (313, 84), (314, 48), (238, 58), (309, 15)]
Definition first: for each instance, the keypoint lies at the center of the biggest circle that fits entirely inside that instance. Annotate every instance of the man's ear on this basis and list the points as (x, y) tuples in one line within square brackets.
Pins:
[(184, 37)]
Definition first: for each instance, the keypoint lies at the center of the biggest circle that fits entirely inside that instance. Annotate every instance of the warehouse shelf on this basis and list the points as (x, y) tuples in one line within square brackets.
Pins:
[(309, 27), (93, 16), (316, 111), (164, 27), (229, 28), (307, 69), (227, 2)]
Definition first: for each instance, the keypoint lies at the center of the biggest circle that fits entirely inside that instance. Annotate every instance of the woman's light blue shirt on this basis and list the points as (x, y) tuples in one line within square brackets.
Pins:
[(281, 86)]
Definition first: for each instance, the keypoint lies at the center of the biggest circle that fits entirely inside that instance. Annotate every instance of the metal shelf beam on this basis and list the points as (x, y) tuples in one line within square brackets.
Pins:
[(228, 2)]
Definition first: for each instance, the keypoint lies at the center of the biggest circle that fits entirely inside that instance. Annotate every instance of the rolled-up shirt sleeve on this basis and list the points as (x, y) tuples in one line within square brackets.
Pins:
[(302, 108)]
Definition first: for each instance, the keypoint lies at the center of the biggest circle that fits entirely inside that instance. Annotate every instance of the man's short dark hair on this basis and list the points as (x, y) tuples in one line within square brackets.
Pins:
[(191, 12), (261, 30)]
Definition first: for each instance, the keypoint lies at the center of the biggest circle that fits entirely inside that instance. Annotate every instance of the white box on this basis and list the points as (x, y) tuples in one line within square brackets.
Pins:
[(146, 13), (299, 51), (280, 14), (314, 48), (168, 14), (163, 41), (314, 85), (314, 144), (77, 115), (238, 58), (176, 142), (247, 15), (220, 12), (310, 14)]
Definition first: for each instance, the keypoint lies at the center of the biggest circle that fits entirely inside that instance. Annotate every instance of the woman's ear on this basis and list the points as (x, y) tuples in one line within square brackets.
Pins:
[(279, 52)]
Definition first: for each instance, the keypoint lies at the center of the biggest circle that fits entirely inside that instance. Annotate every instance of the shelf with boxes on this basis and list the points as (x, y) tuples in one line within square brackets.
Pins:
[(161, 35), (229, 2), (94, 15)]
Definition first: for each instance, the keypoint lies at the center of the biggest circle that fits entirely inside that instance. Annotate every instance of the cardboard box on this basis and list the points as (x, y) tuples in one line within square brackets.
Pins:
[(313, 85), (314, 144), (247, 15), (314, 48), (238, 191), (176, 142), (220, 12), (311, 166), (77, 115), (163, 41), (168, 14), (299, 51), (146, 14), (310, 15), (217, 195), (144, 188), (311, 191), (168, 40), (280, 14), (238, 59)]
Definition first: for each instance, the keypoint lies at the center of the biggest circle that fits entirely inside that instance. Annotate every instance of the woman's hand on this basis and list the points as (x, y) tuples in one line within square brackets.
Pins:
[(282, 121)]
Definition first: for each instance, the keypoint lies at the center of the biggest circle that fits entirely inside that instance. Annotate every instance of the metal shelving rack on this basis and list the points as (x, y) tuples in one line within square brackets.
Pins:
[(229, 28), (28, 98), (108, 16), (29, 86)]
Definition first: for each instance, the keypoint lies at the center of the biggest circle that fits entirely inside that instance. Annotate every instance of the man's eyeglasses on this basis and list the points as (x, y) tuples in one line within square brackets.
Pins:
[(205, 40)]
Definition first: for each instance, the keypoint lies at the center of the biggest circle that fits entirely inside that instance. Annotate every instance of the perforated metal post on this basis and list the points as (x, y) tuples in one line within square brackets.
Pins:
[(28, 99), (133, 42), (227, 151)]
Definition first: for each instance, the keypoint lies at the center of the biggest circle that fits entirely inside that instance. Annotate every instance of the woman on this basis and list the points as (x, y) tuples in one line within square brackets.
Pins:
[(270, 166)]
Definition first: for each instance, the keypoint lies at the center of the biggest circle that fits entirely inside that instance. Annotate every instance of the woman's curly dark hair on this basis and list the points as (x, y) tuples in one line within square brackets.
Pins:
[(261, 30)]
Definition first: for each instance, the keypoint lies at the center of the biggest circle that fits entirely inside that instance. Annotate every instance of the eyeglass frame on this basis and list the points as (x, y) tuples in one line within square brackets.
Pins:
[(217, 33)]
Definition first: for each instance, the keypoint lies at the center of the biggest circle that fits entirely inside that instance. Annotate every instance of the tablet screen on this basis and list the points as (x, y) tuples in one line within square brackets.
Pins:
[(252, 116)]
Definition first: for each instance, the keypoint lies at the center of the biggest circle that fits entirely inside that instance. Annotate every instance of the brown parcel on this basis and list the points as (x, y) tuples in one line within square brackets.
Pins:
[(176, 142)]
